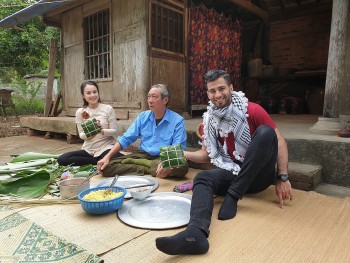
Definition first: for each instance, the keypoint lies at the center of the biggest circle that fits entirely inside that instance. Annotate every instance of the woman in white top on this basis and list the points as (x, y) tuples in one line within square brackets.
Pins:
[(97, 146)]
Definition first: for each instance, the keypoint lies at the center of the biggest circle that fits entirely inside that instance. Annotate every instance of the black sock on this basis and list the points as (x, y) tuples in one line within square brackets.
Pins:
[(191, 241), (228, 208)]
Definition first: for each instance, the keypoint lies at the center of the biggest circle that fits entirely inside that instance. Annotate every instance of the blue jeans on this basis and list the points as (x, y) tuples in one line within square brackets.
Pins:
[(257, 173)]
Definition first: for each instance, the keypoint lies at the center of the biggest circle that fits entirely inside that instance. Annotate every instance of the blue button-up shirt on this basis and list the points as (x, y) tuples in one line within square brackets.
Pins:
[(171, 130)]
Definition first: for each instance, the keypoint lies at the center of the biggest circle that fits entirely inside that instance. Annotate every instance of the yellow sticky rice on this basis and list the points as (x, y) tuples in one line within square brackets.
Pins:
[(101, 195)]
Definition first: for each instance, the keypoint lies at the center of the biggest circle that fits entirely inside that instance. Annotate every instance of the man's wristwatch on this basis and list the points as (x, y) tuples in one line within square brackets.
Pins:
[(283, 177)]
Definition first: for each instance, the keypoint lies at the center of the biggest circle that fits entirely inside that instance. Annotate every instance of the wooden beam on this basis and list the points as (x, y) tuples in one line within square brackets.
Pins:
[(66, 7), (114, 104), (51, 76), (248, 6)]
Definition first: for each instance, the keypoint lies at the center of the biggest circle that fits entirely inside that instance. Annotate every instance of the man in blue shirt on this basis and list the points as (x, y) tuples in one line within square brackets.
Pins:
[(156, 127)]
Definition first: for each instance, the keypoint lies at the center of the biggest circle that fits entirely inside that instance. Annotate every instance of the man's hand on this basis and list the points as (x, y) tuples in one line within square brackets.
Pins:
[(162, 173), (101, 164), (283, 191)]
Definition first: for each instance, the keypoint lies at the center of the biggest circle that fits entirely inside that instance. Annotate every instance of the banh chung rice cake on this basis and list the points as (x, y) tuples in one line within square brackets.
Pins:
[(101, 195)]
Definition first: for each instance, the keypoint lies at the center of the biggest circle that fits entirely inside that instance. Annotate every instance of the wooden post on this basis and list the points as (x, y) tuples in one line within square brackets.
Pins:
[(336, 60), (51, 76)]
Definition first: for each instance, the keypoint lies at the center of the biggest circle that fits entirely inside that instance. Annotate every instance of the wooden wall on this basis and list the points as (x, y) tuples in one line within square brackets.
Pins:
[(301, 41), (128, 87), (171, 72)]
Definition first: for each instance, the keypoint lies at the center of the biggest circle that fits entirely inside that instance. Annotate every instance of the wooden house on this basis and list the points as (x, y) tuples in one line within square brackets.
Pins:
[(117, 44), (128, 45)]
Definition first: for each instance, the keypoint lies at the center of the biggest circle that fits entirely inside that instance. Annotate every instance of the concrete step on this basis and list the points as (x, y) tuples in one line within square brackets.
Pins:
[(302, 176), (333, 190)]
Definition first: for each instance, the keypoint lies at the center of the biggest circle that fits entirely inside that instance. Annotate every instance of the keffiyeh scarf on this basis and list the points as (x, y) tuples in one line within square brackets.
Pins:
[(220, 122)]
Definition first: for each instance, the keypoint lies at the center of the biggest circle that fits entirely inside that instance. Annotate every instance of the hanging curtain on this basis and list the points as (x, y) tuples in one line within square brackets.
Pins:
[(214, 42)]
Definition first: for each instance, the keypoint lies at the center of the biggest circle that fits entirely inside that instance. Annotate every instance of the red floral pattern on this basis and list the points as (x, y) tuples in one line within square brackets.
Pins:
[(214, 42)]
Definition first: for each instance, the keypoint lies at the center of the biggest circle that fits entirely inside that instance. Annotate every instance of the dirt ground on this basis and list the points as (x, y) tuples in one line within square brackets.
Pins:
[(10, 126)]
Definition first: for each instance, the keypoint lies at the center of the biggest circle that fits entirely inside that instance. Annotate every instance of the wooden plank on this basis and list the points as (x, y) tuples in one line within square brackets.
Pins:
[(66, 7), (124, 104), (247, 5), (321, 72), (50, 77), (115, 104), (122, 114), (54, 110)]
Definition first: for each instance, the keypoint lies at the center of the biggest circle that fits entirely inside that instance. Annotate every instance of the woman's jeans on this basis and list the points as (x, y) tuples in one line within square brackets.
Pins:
[(257, 173)]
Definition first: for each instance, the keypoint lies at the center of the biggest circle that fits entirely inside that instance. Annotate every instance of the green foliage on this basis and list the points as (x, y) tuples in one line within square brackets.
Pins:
[(26, 89), (26, 106), (26, 97), (34, 174), (25, 50)]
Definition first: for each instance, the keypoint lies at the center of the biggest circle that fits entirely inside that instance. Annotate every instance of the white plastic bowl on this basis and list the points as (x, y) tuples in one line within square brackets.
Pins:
[(141, 193)]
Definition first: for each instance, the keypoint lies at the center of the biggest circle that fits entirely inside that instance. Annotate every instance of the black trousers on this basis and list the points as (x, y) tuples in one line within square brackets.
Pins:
[(78, 158), (257, 173)]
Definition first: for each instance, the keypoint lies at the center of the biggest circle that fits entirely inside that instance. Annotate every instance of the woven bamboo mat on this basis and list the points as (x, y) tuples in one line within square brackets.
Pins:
[(311, 228), (96, 233), (24, 241)]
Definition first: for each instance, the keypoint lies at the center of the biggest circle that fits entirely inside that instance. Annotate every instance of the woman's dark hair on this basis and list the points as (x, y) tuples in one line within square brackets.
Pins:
[(82, 87)]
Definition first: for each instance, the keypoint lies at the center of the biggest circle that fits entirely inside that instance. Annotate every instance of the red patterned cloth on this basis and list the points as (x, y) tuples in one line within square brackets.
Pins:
[(214, 42)]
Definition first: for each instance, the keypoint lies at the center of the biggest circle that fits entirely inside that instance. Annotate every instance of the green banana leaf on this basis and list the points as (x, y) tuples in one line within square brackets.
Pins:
[(9, 177), (29, 156), (32, 186), (82, 174), (19, 166), (86, 167), (83, 171)]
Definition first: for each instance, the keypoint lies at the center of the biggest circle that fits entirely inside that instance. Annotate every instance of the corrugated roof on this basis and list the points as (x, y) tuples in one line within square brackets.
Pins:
[(37, 9)]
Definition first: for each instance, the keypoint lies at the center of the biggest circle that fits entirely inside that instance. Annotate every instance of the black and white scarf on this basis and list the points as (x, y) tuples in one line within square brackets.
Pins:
[(220, 122)]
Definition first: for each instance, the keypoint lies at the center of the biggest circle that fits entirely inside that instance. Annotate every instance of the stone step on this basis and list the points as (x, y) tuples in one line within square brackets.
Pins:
[(302, 176)]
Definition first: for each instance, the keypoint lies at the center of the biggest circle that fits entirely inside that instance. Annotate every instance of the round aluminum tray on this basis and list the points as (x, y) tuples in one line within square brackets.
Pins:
[(158, 211)]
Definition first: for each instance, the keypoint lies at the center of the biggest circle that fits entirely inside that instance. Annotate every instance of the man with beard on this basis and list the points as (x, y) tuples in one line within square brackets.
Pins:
[(244, 144)]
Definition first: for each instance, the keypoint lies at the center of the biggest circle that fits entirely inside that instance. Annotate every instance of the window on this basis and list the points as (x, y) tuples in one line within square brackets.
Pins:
[(167, 26), (97, 46)]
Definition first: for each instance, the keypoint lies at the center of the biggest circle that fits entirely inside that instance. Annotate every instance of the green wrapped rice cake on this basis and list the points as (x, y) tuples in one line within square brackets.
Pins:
[(90, 127), (172, 156)]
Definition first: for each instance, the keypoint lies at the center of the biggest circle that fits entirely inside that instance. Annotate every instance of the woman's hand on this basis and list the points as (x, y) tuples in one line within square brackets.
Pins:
[(100, 125)]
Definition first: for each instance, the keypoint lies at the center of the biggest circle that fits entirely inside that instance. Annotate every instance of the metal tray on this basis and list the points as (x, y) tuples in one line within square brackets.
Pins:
[(129, 181), (158, 211)]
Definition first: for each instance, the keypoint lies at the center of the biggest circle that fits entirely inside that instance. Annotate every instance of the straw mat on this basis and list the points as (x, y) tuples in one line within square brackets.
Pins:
[(96, 233), (24, 241), (311, 228)]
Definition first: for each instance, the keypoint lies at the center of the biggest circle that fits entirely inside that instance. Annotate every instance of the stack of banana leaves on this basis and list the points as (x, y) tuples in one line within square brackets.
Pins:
[(33, 175)]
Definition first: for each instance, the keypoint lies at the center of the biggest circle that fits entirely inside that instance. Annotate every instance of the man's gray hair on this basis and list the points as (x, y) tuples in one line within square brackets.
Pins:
[(164, 91)]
